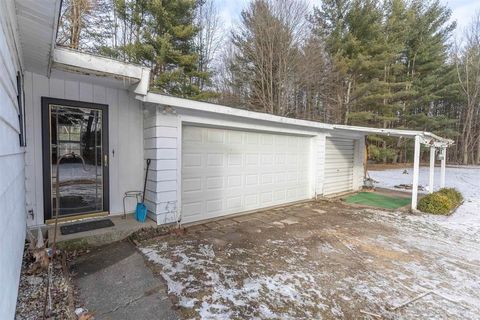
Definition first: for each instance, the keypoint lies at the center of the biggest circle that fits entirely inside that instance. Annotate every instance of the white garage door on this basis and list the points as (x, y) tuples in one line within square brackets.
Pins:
[(229, 171), (339, 162)]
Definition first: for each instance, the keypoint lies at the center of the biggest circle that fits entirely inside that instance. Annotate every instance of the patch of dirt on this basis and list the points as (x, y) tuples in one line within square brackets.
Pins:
[(33, 295), (150, 233)]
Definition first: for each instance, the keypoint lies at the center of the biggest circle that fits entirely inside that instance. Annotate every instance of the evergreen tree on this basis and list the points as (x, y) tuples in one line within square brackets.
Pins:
[(160, 35)]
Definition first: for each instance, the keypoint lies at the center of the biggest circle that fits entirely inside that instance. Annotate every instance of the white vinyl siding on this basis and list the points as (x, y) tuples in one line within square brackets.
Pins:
[(161, 140), (125, 131), (12, 165), (229, 171), (339, 166)]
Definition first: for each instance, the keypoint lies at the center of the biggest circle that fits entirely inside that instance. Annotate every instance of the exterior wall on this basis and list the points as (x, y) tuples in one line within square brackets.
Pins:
[(163, 144), (12, 162), (125, 137), (162, 137)]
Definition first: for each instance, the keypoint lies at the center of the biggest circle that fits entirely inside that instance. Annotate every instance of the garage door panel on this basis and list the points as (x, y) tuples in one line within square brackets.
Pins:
[(339, 163), (229, 171), (342, 177), (336, 189), (234, 181), (340, 152), (192, 208), (339, 167), (251, 201)]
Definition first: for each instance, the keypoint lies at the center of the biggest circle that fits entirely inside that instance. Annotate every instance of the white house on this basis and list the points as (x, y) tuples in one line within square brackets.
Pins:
[(208, 160)]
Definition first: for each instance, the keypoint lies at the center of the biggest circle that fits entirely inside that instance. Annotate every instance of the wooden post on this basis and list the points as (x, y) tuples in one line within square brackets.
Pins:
[(432, 169), (416, 171), (442, 167)]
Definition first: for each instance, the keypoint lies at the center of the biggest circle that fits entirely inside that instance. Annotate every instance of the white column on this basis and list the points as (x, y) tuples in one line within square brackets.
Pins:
[(416, 171), (442, 167), (432, 169)]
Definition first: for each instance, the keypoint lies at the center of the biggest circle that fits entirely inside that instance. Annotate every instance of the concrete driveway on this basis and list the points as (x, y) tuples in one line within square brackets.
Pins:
[(320, 260)]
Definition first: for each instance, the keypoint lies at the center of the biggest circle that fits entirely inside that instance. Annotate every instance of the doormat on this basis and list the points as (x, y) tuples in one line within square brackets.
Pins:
[(86, 226), (373, 199)]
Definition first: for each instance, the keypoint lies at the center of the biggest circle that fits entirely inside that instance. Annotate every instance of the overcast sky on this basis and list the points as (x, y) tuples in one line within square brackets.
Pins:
[(462, 11)]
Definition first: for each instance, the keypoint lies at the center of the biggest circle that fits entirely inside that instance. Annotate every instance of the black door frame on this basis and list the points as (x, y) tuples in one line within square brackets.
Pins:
[(46, 161)]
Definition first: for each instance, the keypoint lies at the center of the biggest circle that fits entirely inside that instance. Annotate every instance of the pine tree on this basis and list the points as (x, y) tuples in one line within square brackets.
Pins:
[(160, 35)]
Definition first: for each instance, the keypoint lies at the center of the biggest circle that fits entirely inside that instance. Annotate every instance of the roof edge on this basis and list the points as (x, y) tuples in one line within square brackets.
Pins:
[(75, 61), (190, 104), (428, 136), (183, 103)]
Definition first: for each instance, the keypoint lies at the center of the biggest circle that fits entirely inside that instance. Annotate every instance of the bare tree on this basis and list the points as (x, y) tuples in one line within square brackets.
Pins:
[(467, 61), (267, 52), (317, 83), (85, 24), (209, 38)]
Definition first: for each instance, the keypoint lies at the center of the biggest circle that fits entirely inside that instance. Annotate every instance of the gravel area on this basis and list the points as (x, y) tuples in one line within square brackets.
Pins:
[(32, 291)]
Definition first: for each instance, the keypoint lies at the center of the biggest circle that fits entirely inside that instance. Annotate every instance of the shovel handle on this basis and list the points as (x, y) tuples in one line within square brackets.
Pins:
[(145, 183)]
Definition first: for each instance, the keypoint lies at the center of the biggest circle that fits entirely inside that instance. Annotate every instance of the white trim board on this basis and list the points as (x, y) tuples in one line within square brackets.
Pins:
[(187, 104), (77, 62)]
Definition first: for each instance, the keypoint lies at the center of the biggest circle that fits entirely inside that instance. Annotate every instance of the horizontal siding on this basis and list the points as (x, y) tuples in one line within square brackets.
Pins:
[(12, 167), (161, 136), (125, 137)]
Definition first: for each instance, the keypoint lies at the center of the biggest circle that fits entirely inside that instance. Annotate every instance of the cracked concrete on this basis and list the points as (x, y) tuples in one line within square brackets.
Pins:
[(114, 283)]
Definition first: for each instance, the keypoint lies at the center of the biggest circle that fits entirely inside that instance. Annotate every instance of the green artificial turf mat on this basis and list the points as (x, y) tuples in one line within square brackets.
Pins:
[(378, 200)]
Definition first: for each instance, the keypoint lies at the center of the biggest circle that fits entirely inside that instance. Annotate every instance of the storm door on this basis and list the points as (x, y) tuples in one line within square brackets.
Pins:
[(74, 131)]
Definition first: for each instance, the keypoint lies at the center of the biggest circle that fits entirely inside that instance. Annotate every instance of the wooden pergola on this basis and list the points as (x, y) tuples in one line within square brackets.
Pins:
[(434, 142)]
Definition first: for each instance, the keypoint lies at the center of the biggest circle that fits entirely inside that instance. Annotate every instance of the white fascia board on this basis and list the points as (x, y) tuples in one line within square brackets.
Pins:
[(57, 9), (428, 137), (74, 61), (381, 131), (443, 141), (182, 103)]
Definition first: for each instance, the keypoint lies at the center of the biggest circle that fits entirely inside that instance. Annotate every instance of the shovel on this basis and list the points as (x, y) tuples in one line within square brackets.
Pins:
[(141, 209)]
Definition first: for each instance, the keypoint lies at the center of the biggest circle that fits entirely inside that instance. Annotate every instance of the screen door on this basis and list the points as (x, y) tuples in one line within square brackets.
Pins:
[(74, 131)]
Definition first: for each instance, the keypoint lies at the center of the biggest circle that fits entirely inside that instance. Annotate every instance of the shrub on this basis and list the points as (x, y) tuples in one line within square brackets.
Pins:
[(440, 202), (453, 194)]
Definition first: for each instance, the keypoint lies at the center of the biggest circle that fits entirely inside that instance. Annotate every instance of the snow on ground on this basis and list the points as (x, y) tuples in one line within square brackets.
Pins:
[(465, 179), (335, 262)]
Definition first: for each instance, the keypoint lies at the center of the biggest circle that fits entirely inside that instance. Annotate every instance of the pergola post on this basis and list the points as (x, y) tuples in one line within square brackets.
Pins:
[(442, 167), (416, 172), (432, 169)]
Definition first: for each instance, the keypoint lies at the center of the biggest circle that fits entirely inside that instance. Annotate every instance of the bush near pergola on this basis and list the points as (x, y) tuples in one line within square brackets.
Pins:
[(441, 202)]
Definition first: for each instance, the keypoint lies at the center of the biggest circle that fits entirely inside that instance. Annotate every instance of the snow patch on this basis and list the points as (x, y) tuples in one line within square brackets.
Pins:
[(465, 179)]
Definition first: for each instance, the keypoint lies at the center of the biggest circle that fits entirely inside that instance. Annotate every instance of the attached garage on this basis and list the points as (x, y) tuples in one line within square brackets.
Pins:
[(227, 171), (339, 166), (210, 161)]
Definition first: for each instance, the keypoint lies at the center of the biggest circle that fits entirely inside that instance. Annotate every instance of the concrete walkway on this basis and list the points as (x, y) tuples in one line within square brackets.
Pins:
[(114, 283)]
